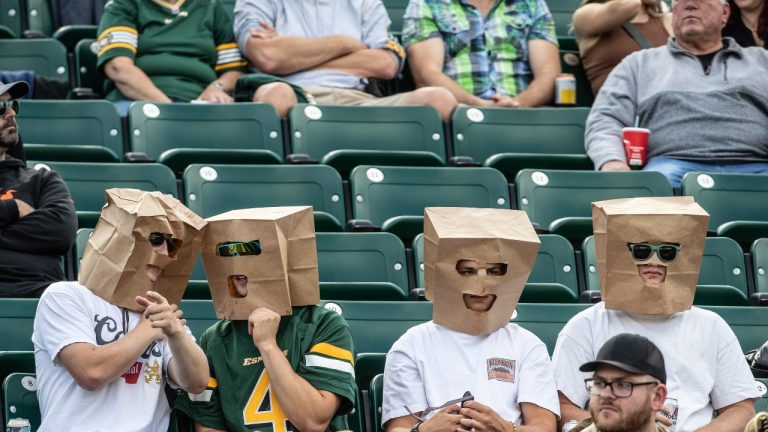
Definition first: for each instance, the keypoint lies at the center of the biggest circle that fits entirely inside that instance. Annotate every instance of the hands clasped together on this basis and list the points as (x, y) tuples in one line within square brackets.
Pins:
[(472, 416)]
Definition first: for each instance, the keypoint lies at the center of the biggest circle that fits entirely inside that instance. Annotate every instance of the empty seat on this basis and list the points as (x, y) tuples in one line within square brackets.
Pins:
[(70, 130), (510, 140), (88, 181), (553, 277), (214, 189), (20, 398), (762, 387), (362, 266), (367, 366), (10, 17), (46, 57), (39, 18), (180, 134), (759, 254), (87, 74), (722, 278), (561, 201), (70, 35), (394, 198), (376, 397), (347, 136), (737, 203)]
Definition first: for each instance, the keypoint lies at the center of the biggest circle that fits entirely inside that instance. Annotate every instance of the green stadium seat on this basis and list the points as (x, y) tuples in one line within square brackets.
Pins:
[(16, 317), (737, 203), (46, 57), (39, 17), (15, 361), (71, 35), (377, 399), (762, 387), (10, 17), (367, 366), (20, 398), (394, 198), (347, 136), (87, 73), (561, 201), (71, 130), (570, 63), (81, 241), (6, 32), (543, 138), (178, 134), (759, 255), (722, 279), (562, 12), (362, 266), (88, 181), (396, 10), (214, 189), (552, 280)]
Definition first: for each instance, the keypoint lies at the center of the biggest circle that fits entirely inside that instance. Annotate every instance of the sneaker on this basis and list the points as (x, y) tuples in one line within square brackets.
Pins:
[(759, 423)]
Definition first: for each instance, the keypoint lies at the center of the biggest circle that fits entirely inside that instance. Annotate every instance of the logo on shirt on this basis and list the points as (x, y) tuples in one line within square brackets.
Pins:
[(131, 376), (7, 195), (152, 373), (501, 369)]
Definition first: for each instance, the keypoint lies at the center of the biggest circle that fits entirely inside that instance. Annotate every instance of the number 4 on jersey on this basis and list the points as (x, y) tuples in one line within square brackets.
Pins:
[(263, 408)]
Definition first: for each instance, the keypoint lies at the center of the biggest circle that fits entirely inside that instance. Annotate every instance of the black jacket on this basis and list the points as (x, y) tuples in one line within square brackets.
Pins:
[(31, 247)]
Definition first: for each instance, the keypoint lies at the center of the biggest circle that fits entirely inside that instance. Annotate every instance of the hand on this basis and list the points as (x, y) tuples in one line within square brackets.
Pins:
[(215, 95), (24, 208), (447, 419), (265, 32), (161, 315), (262, 326), (615, 165), (505, 101), (481, 418), (664, 420)]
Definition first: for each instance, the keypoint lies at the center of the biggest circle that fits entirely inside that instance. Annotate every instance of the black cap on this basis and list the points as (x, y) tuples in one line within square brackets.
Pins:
[(16, 89), (632, 353)]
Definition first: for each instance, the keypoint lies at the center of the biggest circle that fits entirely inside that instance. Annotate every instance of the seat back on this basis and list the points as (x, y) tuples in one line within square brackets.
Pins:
[(179, 134), (562, 12), (347, 136), (396, 10), (10, 16), (377, 399), (88, 74), (759, 254), (20, 398), (40, 17), (570, 63), (729, 197), (70, 35), (352, 262), (392, 197), (46, 57), (214, 189), (88, 182), (762, 388), (71, 130)]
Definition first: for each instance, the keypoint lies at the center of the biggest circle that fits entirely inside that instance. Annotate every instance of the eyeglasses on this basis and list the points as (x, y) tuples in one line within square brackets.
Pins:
[(620, 389), (467, 397), (643, 251), (4, 105), (157, 239), (231, 249)]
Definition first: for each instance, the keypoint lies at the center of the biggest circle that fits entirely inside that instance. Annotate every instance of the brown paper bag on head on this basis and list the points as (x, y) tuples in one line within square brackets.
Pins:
[(486, 236), (114, 264), (675, 220), (279, 260)]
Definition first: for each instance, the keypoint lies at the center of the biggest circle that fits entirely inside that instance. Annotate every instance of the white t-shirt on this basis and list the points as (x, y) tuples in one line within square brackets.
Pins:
[(68, 313), (430, 365), (705, 366)]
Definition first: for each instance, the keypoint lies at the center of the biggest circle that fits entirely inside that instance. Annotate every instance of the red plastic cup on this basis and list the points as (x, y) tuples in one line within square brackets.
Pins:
[(635, 145)]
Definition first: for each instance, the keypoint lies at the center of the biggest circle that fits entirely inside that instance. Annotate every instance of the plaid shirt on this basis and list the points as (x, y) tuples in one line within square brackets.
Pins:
[(485, 56)]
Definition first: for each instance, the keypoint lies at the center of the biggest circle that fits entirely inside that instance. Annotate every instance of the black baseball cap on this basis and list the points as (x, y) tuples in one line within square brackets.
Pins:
[(15, 89), (632, 353)]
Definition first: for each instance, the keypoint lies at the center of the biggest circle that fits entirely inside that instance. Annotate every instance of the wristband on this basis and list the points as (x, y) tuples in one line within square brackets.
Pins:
[(415, 427)]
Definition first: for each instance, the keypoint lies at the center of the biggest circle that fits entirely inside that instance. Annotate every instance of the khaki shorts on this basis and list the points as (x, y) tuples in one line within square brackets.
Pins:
[(341, 96)]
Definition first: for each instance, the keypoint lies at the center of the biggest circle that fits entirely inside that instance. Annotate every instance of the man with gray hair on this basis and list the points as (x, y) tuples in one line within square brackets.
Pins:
[(702, 96)]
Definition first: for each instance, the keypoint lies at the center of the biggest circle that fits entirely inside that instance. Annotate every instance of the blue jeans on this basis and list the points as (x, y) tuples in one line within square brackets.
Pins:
[(675, 169)]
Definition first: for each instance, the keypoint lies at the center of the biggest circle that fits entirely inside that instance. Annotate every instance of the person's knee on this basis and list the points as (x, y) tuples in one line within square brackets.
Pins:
[(438, 98), (279, 95)]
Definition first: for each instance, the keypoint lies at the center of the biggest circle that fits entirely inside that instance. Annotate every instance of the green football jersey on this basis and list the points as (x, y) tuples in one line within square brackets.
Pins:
[(318, 345), (181, 47)]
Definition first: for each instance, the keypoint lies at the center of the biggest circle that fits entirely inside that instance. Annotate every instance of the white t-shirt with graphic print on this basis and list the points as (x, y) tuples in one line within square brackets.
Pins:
[(430, 365), (68, 313)]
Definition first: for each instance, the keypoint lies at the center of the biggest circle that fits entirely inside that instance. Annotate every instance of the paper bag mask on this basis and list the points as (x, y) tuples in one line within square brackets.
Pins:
[(649, 252), (114, 264), (497, 241), (261, 257)]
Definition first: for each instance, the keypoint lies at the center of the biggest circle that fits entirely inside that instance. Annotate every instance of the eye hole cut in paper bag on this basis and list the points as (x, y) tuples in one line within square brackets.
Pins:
[(488, 237), (279, 259), (663, 220), (114, 264)]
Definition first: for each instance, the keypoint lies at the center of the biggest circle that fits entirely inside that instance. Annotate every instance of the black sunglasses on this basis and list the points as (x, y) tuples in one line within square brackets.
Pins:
[(643, 251), (13, 104), (157, 239), (231, 249)]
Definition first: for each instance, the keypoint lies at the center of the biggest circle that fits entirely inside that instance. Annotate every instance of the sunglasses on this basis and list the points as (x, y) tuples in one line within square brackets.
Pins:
[(232, 249), (644, 251), (13, 104), (467, 397), (157, 239)]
